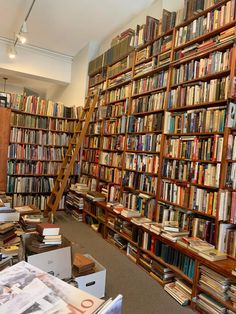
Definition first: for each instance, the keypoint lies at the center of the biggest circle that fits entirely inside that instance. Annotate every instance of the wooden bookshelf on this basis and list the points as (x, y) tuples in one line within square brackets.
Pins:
[(192, 89)]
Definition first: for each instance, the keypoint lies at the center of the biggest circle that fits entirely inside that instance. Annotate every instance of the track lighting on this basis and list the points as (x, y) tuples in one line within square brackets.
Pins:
[(12, 52), (24, 28), (21, 38)]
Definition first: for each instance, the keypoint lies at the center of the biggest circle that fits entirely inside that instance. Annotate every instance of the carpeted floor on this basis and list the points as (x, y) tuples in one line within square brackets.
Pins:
[(141, 293)]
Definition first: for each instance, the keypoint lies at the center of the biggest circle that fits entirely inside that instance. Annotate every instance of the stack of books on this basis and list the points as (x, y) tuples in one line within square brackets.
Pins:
[(209, 305), (214, 283), (49, 234), (30, 216), (80, 188), (179, 291), (29, 222), (161, 272), (95, 196), (83, 265), (7, 233), (232, 294)]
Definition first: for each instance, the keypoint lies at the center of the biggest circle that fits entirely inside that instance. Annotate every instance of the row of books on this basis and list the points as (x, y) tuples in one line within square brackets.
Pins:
[(202, 92), (150, 83), (153, 28), (36, 105), (206, 23), (146, 143), (122, 78), (38, 200), (118, 93), (148, 123), (148, 103), (157, 47), (99, 77), (110, 159), (94, 128), (230, 180), (32, 184), (120, 66), (192, 172), (195, 69), (227, 206), (139, 181), (110, 174), (195, 148), (116, 126), (90, 168), (37, 168), (47, 123), (169, 255), (91, 142), (32, 152), (114, 142), (142, 162), (231, 147), (114, 110), (199, 120), (39, 137), (206, 44)]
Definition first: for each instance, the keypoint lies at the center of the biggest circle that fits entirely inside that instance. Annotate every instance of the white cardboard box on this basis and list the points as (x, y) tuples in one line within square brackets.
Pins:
[(55, 262), (93, 283)]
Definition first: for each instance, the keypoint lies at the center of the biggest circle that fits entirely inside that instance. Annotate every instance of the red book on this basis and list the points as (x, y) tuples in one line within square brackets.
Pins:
[(46, 229)]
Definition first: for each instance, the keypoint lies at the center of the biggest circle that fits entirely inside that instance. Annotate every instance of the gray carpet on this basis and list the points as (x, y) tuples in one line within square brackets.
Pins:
[(142, 294)]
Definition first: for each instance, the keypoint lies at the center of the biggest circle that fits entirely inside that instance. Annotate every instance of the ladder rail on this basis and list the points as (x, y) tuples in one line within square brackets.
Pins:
[(69, 159)]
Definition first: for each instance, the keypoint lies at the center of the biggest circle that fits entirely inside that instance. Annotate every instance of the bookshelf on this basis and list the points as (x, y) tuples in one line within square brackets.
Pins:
[(166, 146), (38, 139)]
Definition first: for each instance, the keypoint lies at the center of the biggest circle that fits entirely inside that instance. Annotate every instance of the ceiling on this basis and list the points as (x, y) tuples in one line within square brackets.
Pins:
[(66, 26)]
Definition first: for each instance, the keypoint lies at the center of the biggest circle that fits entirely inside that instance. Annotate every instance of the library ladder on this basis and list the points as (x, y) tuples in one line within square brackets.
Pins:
[(70, 157)]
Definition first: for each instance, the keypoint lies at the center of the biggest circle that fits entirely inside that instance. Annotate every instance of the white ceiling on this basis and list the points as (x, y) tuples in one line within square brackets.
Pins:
[(66, 26)]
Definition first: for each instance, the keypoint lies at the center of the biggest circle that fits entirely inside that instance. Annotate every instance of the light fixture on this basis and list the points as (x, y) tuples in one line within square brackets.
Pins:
[(21, 38), (12, 52), (20, 35), (24, 28)]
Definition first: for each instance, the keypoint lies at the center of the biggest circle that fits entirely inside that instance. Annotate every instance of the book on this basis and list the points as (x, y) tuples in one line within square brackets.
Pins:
[(213, 255), (47, 229)]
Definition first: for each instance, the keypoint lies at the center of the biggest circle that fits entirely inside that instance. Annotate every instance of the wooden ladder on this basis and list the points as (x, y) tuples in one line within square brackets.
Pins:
[(70, 158)]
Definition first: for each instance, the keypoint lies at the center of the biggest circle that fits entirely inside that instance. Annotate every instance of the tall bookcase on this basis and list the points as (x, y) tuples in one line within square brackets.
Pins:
[(39, 135), (166, 145)]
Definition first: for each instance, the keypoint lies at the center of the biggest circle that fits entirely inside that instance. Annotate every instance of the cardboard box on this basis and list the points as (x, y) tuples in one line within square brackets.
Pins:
[(94, 283), (56, 262)]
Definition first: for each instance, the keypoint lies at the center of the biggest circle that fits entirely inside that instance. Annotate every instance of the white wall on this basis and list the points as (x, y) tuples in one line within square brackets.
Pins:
[(37, 62), (74, 93)]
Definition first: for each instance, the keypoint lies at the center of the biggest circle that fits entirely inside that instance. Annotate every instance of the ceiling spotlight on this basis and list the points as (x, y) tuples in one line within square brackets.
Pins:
[(24, 28), (12, 52), (21, 38)]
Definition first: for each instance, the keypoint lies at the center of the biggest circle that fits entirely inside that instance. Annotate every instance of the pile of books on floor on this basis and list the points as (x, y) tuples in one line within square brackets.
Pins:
[(161, 272), (180, 291), (82, 265), (30, 216), (214, 283), (95, 196), (75, 205), (49, 234)]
